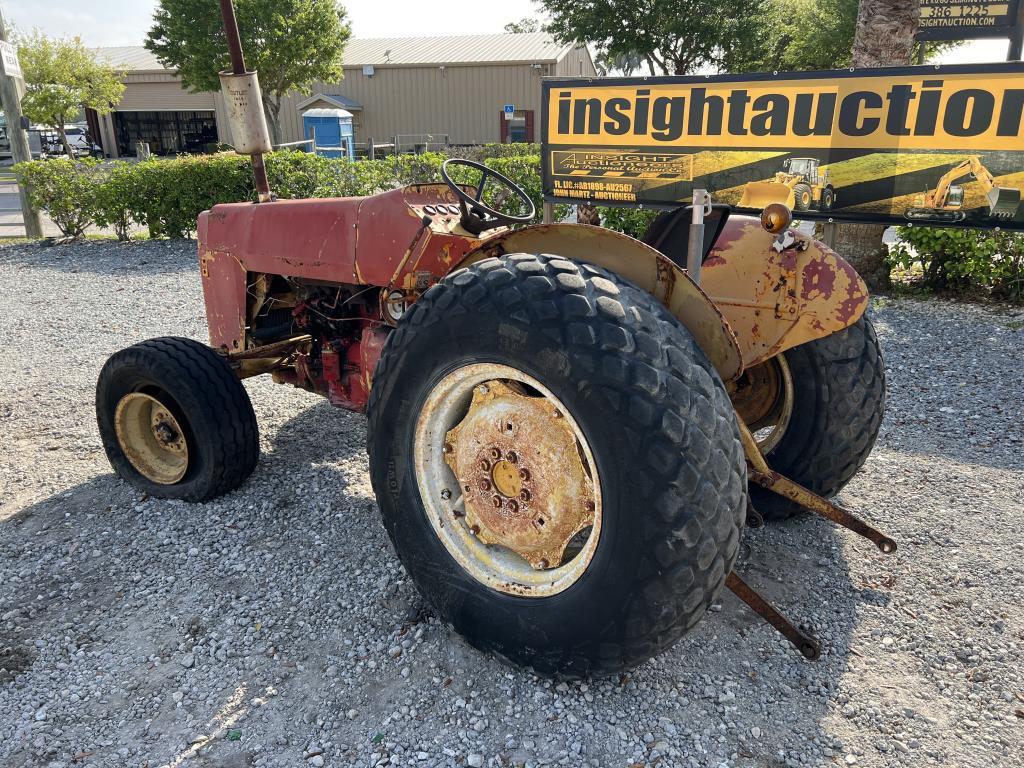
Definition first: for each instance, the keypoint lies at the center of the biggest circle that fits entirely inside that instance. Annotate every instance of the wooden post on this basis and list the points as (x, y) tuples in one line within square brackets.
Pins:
[(20, 151)]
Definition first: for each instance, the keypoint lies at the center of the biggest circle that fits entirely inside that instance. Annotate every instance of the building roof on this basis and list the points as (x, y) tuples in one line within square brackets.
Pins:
[(532, 48), (339, 101), (135, 58)]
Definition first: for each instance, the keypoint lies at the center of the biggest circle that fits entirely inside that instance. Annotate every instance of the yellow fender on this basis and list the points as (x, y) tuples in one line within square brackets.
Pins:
[(637, 262)]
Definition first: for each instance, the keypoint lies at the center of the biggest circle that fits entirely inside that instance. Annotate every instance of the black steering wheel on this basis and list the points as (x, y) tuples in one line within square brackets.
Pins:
[(477, 216)]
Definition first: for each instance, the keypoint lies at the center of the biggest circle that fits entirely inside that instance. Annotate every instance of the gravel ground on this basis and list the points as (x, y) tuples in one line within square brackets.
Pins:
[(275, 627)]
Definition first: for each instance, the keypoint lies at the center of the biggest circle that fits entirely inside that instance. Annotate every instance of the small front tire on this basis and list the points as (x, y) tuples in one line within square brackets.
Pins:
[(175, 420)]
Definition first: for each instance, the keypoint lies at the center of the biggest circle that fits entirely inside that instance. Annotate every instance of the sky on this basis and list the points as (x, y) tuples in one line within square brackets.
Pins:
[(125, 22)]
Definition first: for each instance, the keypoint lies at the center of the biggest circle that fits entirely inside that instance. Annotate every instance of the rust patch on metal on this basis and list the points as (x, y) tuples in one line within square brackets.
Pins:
[(524, 483), (808, 646)]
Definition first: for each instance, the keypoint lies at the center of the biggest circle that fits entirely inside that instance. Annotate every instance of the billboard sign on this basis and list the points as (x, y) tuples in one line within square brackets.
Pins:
[(939, 145), (966, 19)]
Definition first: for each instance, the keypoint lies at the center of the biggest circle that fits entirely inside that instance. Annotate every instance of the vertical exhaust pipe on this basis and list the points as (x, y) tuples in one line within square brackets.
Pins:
[(244, 101)]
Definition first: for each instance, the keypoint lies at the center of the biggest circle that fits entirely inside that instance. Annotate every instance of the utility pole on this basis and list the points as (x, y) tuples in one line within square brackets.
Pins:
[(17, 136)]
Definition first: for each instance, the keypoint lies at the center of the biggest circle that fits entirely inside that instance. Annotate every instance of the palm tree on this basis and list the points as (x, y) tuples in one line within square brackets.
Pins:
[(884, 38)]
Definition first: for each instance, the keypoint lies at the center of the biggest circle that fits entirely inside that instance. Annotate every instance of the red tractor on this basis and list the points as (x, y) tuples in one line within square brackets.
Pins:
[(567, 434)]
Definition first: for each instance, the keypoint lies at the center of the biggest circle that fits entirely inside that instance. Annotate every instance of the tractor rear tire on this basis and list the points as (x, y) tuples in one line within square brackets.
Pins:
[(838, 404), (210, 440), (803, 197), (653, 414)]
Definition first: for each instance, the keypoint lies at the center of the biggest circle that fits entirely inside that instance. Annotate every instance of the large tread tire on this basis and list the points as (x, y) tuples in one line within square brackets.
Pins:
[(208, 400), (659, 423), (838, 404)]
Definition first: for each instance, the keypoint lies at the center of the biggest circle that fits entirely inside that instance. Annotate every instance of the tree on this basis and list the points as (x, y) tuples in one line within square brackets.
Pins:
[(291, 43), (672, 37), (523, 26), (884, 37), (61, 79)]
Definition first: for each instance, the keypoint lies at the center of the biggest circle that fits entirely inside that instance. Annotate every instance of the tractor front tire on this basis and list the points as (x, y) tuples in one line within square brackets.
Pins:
[(175, 420), (838, 404), (663, 475)]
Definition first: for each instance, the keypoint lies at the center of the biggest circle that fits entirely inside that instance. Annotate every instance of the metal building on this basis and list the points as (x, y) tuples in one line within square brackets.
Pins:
[(422, 90)]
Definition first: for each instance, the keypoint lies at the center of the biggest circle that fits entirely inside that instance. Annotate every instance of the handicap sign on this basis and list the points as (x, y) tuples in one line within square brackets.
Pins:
[(510, 111)]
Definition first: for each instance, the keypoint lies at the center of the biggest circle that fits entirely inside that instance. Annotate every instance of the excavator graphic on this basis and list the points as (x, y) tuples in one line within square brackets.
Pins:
[(945, 203)]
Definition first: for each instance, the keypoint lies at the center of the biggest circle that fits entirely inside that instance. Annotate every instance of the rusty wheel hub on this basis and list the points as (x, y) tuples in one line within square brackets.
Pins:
[(763, 398), (151, 438), (508, 480), (523, 481)]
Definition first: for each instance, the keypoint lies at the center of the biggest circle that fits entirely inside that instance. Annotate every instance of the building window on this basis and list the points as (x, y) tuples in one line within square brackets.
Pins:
[(519, 129)]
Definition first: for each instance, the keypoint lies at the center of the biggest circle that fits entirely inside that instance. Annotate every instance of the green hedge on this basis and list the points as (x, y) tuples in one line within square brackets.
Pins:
[(167, 196), (973, 262)]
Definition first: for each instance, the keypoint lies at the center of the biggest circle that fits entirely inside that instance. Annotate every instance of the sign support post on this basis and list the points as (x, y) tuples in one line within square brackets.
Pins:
[(20, 151), (1017, 35)]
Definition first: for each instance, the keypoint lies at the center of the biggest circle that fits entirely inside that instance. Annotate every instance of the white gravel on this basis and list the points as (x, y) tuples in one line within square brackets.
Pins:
[(274, 627)]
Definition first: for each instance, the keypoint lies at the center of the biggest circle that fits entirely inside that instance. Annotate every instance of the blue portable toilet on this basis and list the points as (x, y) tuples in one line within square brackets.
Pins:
[(335, 136)]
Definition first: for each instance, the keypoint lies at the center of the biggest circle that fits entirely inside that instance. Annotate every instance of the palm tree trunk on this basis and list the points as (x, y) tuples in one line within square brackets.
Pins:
[(884, 38)]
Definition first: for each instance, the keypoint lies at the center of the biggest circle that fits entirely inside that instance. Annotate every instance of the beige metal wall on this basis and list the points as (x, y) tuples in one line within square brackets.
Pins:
[(576, 63), (464, 102), (160, 92)]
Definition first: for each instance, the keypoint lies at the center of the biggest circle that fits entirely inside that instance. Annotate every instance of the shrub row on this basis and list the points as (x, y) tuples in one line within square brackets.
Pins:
[(166, 196), (969, 262)]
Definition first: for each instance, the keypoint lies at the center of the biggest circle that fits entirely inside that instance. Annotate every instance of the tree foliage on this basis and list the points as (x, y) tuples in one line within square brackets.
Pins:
[(291, 43), (672, 37), (61, 78), (523, 26)]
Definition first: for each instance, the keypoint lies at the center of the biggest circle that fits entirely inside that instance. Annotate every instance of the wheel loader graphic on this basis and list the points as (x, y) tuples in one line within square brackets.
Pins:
[(945, 203), (800, 185)]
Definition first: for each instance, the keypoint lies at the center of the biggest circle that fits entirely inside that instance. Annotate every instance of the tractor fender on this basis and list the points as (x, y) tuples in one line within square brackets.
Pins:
[(641, 265), (777, 299)]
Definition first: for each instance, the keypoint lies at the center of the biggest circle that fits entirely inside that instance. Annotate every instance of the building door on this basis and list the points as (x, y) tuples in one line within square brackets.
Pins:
[(519, 129)]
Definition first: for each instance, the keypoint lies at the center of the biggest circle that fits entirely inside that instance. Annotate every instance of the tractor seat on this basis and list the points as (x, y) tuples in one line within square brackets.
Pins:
[(670, 231)]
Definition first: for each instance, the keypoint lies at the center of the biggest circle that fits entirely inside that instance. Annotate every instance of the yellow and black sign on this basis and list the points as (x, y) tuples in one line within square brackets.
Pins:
[(966, 19), (939, 144)]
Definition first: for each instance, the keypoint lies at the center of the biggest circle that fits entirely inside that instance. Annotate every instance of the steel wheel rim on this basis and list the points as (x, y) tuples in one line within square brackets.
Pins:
[(151, 438), (765, 401), (451, 406), (771, 434)]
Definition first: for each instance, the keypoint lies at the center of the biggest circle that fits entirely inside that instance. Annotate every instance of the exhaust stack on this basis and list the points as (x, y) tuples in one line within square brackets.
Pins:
[(244, 100)]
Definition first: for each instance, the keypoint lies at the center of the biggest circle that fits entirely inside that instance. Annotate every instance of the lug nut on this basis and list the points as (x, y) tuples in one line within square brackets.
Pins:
[(496, 501), (485, 485), (495, 453), (524, 474), (524, 495), (512, 457), (446, 494), (513, 506), (485, 465)]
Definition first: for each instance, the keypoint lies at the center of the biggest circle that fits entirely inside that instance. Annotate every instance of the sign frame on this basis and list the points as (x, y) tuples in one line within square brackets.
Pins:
[(945, 34), (548, 84)]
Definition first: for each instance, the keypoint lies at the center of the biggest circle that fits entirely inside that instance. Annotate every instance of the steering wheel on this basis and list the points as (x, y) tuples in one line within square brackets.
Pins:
[(477, 216)]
